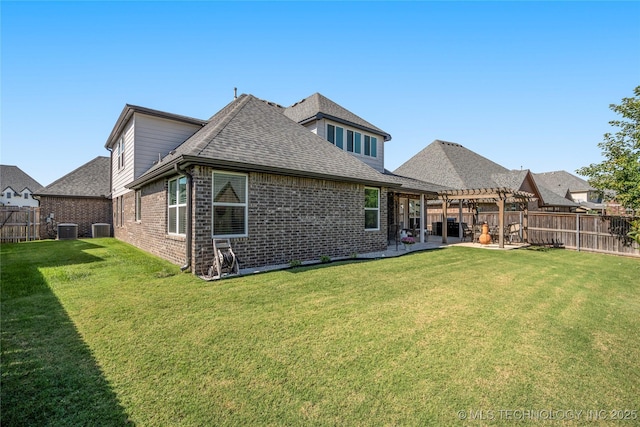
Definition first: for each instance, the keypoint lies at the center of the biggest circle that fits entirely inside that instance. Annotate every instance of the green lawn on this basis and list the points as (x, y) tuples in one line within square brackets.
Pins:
[(95, 332)]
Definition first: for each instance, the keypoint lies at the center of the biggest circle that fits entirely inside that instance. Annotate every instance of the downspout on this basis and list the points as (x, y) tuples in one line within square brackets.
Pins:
[(189, 236)]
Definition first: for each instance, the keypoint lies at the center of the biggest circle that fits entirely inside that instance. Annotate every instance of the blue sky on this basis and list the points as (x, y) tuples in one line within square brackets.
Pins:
[(525, 84)]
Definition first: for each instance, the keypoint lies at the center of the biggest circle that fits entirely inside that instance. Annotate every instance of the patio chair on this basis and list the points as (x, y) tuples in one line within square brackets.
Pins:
[(466, 232), (514, 233)]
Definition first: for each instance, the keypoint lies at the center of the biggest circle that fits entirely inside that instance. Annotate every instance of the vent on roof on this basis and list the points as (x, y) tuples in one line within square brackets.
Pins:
[(67, 231), (100, 230)]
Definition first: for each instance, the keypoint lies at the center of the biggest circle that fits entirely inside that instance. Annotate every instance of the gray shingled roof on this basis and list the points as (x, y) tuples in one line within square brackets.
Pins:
[(454, 166), (562, 181), (551, 198), (451, 165), (17, 179), (412, 185), (89, 180), (253, 135), (317, 106)]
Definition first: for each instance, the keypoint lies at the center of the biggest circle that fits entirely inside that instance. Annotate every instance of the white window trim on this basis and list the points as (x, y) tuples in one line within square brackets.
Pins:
[(377, 209), (245, 205), (120, 153), (363, 136), (177, 206), (138, 199)]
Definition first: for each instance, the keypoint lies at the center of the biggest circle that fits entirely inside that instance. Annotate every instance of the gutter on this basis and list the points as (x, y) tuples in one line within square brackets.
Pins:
[(189, 236)]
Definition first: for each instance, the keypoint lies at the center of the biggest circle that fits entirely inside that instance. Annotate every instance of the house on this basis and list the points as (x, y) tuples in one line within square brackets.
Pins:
[(283, 184), (478, 184), (17, 187), (454, 166), (569, 186), (81, 197)]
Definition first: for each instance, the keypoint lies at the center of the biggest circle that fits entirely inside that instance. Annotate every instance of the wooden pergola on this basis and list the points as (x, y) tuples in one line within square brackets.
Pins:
[(499, 196)]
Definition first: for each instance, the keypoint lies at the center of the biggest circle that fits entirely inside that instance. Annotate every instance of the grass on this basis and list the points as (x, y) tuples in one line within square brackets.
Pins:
[(95, 332)]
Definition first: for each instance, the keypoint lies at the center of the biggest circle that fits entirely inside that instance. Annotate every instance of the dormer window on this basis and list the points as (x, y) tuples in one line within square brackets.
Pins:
[(335, 135), (354, 141)]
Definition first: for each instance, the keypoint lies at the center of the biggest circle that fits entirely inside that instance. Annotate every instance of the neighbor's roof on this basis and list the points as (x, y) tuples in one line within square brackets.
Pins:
[(318, 106), (561, 181), (253, 135), (553, 198), (89, 180), (14, 177)]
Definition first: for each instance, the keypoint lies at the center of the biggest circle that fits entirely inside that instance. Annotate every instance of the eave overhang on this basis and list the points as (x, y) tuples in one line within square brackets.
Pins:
[(181, 162), (320, 116), (129, 110)]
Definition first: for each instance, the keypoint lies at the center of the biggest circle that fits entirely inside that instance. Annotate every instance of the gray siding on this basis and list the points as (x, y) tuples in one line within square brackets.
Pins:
[(155, 136), (375, 162), (123, 176)]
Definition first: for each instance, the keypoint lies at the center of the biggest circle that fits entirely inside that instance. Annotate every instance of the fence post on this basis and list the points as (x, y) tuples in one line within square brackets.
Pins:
[(578, 232)]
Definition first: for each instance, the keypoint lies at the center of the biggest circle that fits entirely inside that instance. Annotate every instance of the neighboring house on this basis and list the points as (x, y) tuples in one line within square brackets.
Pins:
[(81, 197), (17, 187), (454, 166), (572, 187), (256, 174)]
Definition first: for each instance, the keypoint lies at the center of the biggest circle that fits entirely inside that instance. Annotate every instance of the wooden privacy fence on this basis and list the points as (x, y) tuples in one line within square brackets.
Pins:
[(582, 232), (19, 224)]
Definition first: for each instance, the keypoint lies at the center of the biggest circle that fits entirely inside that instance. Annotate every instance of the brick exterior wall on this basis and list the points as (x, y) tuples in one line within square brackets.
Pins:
[(150, 233), (289, 218), (292, 218), (74, 210)]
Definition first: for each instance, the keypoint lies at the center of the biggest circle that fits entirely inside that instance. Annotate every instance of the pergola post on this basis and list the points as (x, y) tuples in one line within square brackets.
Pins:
[(501, 222), (423, 217), (445, 207), (460, 233), (525, 224)]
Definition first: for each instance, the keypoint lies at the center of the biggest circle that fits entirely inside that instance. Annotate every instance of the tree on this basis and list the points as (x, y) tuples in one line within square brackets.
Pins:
[(620, 171)]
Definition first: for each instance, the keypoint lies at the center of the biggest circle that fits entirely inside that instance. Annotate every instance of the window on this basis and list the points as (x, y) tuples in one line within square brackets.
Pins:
[(335, 135), (354, 141), (118, 213), (339, 137), (26, 195), (138, 205), (121, 153), (370, 146), (177, 223), (8, 194), (371, 208), (230, 208), (121, 211), (358, 143)]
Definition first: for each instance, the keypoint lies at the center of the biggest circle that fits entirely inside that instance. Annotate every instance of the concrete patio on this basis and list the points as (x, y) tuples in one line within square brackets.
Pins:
[(433, 242)]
